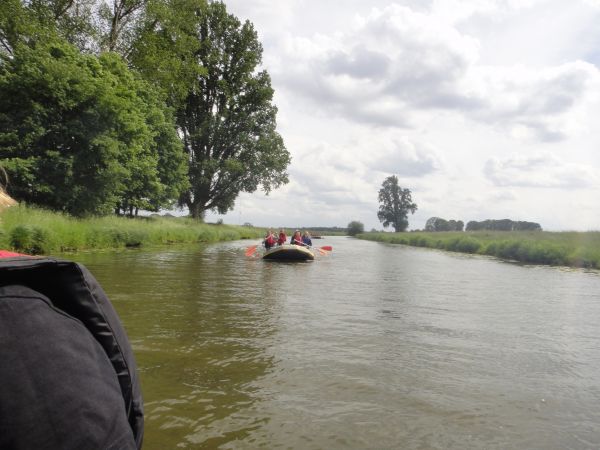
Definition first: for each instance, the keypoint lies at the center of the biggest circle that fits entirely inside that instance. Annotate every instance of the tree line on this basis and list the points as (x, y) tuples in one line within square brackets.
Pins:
[(134, 104), (439, 224)]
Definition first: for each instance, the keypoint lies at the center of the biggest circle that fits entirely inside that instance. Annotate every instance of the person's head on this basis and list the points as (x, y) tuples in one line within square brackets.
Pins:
[(306, 233), (281, 231)]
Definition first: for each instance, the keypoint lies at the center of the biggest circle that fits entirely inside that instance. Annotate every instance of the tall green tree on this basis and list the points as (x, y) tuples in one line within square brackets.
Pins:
[(92, 25), (166, 47), (394, 204), (224, 107), (119, 24), (83, 134), (28, 22)]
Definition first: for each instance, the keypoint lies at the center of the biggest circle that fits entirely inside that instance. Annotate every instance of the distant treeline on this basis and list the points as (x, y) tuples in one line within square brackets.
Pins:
[(327, 230), (439, 224), (503, 225)]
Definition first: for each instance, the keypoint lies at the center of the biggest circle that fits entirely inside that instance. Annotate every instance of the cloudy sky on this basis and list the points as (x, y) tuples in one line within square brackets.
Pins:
[(484, 109)]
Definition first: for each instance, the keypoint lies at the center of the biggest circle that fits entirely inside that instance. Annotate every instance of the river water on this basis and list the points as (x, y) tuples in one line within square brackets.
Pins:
[(373, 346)]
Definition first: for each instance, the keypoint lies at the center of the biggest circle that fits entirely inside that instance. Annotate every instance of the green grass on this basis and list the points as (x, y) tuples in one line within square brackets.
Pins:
[(37, 231), (575, 249)]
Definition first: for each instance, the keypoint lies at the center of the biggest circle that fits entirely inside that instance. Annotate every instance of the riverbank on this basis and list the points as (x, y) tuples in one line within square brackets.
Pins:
[(575, 249), (36, 231)]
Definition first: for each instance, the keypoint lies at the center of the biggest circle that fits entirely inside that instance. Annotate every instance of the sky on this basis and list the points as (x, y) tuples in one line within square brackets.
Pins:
[(484, 109)]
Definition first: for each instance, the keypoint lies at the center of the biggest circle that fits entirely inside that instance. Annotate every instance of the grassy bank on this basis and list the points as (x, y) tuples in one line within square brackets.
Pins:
[(575, 249), (36, 231)]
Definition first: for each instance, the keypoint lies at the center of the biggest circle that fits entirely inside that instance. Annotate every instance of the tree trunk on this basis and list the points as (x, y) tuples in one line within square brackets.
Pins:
[(196, 210)]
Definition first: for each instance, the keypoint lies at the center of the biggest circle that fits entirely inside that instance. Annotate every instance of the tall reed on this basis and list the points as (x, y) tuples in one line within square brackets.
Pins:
[(575, 249), (37, 231)]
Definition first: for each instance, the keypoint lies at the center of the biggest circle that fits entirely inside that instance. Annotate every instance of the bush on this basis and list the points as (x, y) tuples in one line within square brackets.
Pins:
[(31, 239), (355, 227), (468, 245), (20, 238)]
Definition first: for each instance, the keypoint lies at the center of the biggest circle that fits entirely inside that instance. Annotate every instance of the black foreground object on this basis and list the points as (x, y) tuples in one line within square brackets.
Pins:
[(68, 378)]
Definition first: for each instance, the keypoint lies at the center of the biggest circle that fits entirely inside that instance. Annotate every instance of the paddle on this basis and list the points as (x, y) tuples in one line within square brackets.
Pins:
[(250, 250), (324, 250)]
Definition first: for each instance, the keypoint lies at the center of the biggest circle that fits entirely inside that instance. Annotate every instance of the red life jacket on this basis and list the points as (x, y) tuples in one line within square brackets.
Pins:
[(7, 254), (282, 239)]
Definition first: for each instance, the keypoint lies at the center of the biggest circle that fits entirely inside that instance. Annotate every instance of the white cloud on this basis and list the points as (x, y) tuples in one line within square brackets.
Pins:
[(504, 195), (395, 59), (406, 158), (542, 170), (460, 10), (397, 64), (432, 90), (532, 103)]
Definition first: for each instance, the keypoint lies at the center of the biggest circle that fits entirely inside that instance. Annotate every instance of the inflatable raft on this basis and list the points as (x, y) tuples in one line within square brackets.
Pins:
[(289, 252)]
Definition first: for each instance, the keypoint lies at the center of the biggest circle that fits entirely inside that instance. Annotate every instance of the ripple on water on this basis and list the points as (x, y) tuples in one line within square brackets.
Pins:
[(374, 346)]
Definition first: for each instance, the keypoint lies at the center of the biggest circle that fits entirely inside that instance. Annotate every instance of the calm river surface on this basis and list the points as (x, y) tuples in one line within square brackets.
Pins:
[(373, 346)]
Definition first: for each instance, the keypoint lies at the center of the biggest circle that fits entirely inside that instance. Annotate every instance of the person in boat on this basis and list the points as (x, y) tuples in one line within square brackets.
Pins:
[(68, 376), (296, 238), (306, 239), (269, 240), (282, 237)]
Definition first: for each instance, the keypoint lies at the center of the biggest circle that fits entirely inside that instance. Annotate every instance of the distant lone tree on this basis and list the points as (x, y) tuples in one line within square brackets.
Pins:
[(355, 227), (395, 204), (439, 224)]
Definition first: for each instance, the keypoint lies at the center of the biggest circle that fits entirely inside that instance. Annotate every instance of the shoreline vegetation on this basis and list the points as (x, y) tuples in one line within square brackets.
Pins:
[(567, 248), (36, 231)]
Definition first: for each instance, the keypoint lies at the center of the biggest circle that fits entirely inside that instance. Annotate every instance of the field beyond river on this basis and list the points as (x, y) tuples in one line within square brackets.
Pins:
[(570, 248)]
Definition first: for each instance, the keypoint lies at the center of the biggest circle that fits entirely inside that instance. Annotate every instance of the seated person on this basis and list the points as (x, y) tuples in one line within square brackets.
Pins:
[(306, 239), (296, 238), (269, 240), (282, 237)]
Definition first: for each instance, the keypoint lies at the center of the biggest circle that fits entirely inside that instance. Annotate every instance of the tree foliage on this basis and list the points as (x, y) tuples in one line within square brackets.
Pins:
[(224, 109), (355, 227), (395, 204), (183, 113), (83, 134), (28, 22), (90, 25), (503, 225), (439, 224)]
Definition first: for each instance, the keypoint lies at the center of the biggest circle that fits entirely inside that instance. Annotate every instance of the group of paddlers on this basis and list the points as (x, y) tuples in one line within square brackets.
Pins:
[(297, 238)]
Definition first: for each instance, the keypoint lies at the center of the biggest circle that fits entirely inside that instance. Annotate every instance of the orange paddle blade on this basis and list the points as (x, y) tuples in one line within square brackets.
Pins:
[(329, 248), (250, 250)]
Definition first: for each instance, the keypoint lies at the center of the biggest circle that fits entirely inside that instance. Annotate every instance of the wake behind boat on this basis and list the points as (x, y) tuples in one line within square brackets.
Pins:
[(289, 252)]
